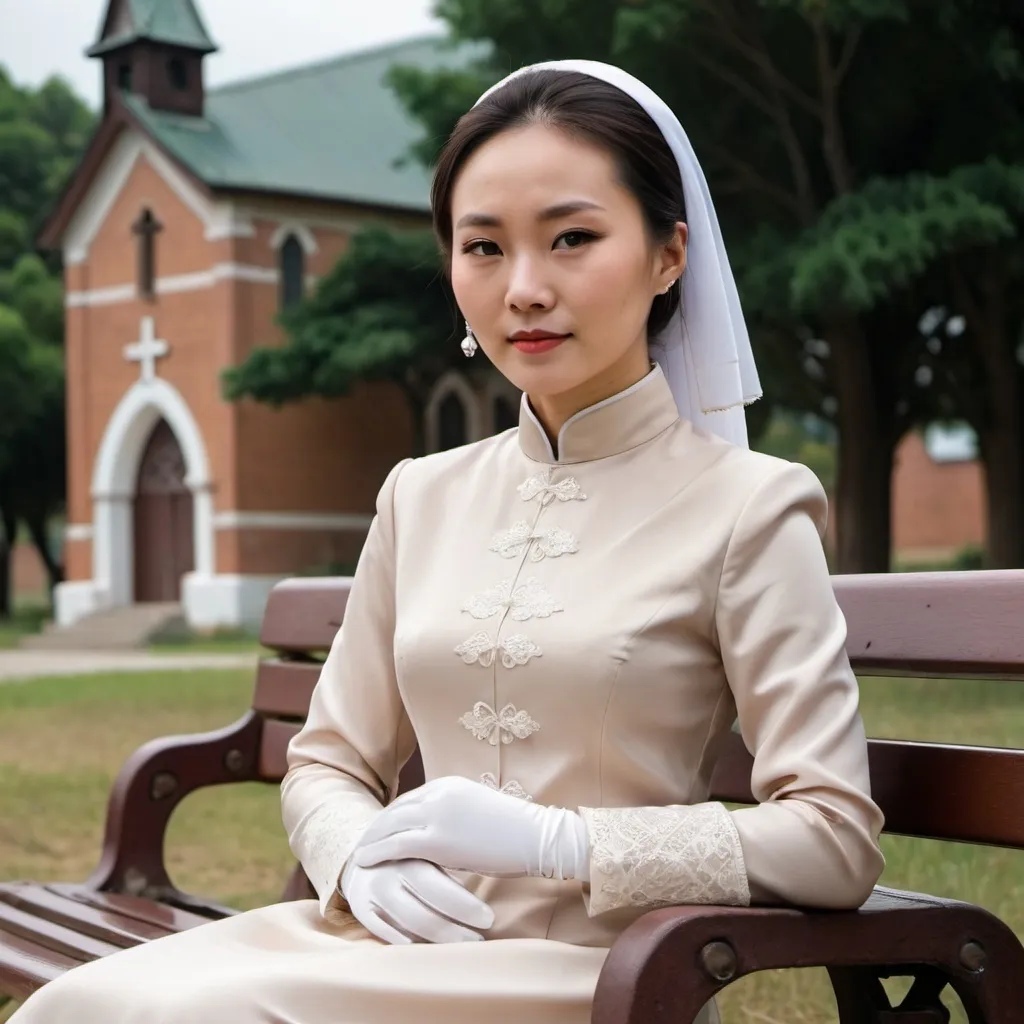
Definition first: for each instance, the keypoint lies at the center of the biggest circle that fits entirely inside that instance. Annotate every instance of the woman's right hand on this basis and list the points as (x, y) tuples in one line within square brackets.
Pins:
[(408, 901)]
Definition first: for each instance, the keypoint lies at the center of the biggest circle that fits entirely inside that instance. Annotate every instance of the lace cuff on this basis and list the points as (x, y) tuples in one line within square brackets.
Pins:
[(664, 856), (327, 840)]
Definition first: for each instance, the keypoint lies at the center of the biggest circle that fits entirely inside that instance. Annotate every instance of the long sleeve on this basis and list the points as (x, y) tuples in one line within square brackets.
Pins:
[(343, 766), (812, 839)]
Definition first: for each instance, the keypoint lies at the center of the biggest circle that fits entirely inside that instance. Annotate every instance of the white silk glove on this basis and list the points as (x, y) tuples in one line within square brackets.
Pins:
[(412, 901), (465, 826)]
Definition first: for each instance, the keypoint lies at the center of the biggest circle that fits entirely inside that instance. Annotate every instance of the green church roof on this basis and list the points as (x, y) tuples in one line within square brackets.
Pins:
[(331, 130), (172, 22)]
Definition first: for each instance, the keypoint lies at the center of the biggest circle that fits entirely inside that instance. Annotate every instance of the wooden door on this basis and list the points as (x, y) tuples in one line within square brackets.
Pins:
[(163, 519)]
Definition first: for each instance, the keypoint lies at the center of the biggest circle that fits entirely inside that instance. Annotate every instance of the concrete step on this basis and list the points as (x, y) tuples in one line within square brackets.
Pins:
[(128, 628)]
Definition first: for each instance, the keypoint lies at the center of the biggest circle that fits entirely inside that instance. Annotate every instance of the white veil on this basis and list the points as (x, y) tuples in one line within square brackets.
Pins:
[(704, 351)]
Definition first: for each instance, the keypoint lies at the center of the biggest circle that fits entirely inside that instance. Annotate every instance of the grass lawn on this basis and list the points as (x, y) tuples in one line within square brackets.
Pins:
[(61, 741)]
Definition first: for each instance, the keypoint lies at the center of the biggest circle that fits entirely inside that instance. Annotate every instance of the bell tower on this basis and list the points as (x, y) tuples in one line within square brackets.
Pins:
[(154, 50)]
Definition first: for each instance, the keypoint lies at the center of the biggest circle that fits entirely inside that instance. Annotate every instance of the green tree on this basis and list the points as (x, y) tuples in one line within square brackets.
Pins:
[(836, 128), (21, 404), (847, 144), (383, 313), (42, 133)]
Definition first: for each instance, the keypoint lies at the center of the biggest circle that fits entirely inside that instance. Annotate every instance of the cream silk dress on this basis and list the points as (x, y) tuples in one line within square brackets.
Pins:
[(579, 628)]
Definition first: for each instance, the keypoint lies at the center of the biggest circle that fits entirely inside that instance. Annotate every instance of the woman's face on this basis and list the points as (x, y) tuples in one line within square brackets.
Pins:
[(546, 239)]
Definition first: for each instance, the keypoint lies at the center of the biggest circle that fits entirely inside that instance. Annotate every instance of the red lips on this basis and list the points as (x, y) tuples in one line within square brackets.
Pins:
[(536, 335), (536, 343)]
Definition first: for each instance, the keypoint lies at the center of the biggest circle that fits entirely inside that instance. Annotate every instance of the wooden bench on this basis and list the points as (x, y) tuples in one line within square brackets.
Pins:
[(670, 962)]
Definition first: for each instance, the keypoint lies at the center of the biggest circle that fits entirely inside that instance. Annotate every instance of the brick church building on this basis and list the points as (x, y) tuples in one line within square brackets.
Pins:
[(195, 215)]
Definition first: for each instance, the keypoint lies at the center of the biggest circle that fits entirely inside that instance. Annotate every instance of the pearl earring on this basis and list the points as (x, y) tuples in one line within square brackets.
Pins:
[(469, 345)]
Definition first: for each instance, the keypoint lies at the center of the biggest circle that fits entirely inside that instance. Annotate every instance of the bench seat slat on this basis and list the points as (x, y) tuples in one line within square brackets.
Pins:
[(160, 915), (52, 936), (105, 925), (26, 966)]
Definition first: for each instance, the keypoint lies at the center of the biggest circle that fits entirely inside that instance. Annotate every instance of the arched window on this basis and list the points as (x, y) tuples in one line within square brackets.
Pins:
[(145, 229), (453, 415), (451, 423), (504, 413), (293, 271)]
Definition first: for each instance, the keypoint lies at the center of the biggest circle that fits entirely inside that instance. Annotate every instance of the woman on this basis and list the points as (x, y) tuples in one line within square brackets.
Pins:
[(568, 617)]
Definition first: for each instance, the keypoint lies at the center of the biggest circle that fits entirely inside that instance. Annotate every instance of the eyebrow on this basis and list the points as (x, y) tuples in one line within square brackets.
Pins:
[(559, 210)]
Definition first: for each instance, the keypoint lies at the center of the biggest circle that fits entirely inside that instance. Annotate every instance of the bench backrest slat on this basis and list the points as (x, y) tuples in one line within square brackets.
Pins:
[(942, 624), (284, 688), (935, 623), (304, 613), (274, 748), (924, 789)]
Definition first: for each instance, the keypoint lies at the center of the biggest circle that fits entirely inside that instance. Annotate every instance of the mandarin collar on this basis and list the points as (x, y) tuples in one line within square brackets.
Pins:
[(612, 426)]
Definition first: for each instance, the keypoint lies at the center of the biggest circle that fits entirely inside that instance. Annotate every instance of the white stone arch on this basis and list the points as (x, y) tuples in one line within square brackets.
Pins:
[(453, 383), (499, 386), (113, 485), (301, 231)]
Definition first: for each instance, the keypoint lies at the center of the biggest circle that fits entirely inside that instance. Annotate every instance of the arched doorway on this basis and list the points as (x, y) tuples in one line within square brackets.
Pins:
[(163, 522)]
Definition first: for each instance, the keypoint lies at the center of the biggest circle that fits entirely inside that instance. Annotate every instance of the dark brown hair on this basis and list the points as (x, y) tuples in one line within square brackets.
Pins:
[(587, 108)]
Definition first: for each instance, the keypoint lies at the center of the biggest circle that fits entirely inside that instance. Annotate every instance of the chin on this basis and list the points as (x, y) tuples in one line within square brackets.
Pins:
[(539, 366), (537, 379)]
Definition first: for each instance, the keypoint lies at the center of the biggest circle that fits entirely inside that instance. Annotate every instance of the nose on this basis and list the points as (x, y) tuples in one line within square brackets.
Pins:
[(527, 286)]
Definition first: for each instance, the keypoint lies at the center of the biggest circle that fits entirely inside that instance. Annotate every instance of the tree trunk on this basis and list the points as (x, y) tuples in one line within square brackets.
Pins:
[(1001, 451), (7, 528), (863, 500), (1004, 494), (54, 570)]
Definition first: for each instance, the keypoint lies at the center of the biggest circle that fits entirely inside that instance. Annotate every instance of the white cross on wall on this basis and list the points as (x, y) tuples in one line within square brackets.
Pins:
[(147, 350)]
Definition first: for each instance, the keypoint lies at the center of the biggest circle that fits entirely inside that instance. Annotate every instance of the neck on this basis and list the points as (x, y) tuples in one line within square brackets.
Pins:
[(554, 410)]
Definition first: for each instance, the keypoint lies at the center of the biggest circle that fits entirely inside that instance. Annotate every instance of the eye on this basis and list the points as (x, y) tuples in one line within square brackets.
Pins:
[(471, 248), (575, 239)]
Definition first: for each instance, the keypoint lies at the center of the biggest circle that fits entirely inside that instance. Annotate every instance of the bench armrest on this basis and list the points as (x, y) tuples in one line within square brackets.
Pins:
[(670, 963), (150, 785)]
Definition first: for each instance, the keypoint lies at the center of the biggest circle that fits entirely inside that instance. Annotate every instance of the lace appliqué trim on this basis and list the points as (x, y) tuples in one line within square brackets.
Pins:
[(551, 543), (540, 486), (503, 726), (514, 650), (511, 788), (664, 856), (325, 841), (526, 601)]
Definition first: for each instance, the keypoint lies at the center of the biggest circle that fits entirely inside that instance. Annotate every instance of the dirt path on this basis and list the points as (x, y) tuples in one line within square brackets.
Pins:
[(19, 665)]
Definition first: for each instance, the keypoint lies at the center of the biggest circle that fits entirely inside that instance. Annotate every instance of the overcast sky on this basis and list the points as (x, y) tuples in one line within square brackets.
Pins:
[(39, 38)]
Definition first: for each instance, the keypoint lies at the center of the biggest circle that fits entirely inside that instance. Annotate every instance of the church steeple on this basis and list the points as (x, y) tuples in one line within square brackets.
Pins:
[(154, 49)]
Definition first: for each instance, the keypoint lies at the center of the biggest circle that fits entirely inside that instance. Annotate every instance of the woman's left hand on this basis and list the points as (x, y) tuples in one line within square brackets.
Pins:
[(465, 826)]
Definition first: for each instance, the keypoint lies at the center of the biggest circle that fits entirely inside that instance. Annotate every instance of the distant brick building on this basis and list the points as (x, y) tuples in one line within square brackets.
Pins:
[(938, 501), (194, 217)]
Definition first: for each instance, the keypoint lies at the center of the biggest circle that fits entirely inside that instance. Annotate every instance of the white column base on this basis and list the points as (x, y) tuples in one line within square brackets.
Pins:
[(75, 599), (219, 602)]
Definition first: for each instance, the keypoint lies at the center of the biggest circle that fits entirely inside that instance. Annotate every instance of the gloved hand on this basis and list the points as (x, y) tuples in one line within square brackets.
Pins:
[(412, 901), (466, 826)]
